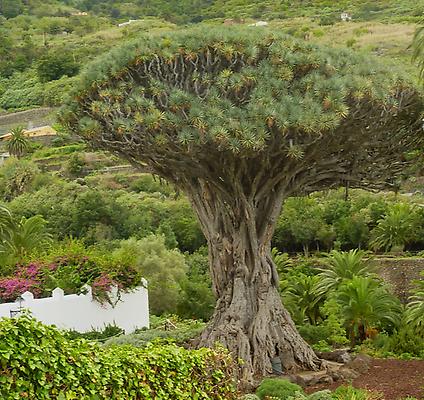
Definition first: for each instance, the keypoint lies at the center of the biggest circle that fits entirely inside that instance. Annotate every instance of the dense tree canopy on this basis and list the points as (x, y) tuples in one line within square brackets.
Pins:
[(244, 93), (239, 120)]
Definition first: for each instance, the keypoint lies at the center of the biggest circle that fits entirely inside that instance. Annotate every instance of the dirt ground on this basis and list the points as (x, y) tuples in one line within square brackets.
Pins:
[(393, 379)]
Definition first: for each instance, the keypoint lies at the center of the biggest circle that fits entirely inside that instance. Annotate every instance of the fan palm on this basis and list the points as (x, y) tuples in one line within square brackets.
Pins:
[(18, 143), (342, 266), (366, 304)]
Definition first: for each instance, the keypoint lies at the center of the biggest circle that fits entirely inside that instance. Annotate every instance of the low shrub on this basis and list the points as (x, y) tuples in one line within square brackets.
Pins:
[(321, 395), (404, 343), (98, 335), (39, 362), (314, 334), (179, 333), (351, 393), (279, 388)]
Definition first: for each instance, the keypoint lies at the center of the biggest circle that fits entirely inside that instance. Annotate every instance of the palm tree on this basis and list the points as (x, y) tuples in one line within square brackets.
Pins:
[(305, 293), (418, 49), (342, 266), (18, 143), (18, 237), (415, 308), (366, 304), (395, 229)]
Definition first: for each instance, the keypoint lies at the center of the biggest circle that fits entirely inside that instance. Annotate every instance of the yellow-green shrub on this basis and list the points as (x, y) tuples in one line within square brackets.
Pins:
[(39, 362)]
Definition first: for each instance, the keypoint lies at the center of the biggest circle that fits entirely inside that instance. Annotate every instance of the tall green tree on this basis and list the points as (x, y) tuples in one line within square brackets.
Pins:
[(240, 120), (18, 143)]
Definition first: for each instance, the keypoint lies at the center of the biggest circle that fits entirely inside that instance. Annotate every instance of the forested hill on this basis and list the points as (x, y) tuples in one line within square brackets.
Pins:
[(45, 43), (192, 11)]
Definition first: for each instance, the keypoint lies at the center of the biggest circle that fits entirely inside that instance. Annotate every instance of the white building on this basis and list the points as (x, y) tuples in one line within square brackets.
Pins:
[(4, 157), (260, 23), (344, 16)]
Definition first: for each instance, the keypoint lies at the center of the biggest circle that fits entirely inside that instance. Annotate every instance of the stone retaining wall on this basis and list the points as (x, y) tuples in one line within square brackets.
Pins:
[(400, 273)]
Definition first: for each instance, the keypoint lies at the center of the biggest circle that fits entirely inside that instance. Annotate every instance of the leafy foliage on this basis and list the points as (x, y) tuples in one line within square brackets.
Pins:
[(415, 309), (20, 236), (307, 295), (277, 388), (17, 177), (396, 228), (64, 369), (170, 330), (164, 269), (351, 393), (54, 66), (365, 304), (342, 266)]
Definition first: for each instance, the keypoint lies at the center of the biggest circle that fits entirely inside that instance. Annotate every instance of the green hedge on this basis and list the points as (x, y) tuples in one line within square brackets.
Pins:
[(39, 362)]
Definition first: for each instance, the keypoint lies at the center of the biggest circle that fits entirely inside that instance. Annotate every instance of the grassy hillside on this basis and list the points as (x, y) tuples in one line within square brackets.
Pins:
[(192, 11), (45, 44)]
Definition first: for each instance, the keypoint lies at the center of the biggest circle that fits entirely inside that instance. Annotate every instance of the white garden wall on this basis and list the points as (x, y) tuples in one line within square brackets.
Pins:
[(82, 313)]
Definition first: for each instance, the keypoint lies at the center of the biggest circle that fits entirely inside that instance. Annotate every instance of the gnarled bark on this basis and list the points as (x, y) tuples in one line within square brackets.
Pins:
[(249, 318)]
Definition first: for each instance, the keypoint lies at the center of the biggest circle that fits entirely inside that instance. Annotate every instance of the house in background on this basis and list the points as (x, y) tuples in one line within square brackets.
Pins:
[(260, 23), (3, 157), (344, 16), (42, 134)]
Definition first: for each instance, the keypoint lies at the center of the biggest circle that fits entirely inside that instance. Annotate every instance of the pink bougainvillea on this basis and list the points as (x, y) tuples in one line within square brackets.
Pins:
[(101, 288), (12, 288), (69, 272), (29, 271)]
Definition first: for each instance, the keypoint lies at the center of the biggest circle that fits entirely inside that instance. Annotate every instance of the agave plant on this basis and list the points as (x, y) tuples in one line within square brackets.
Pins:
[(18, 143), (342, 266), (366, 304)]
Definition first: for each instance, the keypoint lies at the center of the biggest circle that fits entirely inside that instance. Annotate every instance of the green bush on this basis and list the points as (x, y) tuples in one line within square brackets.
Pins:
[(403, 342), (180, 332), (98, 335), (75, 165), (321, 395), (39, 362), (314, 333), (279, 388), (350, 393)]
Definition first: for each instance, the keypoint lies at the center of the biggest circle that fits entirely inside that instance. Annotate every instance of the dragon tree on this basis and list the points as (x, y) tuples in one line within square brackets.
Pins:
[(239, 120)]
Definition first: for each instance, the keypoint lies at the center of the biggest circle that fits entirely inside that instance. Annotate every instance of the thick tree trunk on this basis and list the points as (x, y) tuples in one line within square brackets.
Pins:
[(249, 318)]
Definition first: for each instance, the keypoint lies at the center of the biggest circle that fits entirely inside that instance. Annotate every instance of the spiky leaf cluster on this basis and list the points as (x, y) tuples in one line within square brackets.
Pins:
[(245, 94)]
